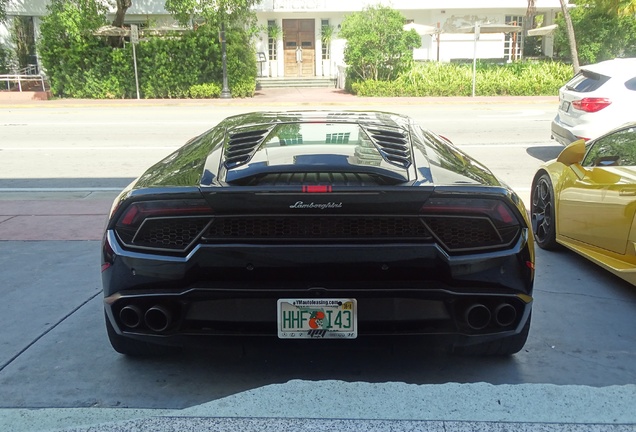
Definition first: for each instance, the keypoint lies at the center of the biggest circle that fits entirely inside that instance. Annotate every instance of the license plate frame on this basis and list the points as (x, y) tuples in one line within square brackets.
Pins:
[(565, 106), (319, 318)]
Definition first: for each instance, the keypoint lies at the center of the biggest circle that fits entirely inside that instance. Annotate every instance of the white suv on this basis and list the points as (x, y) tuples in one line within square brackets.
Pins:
[(600, 97)]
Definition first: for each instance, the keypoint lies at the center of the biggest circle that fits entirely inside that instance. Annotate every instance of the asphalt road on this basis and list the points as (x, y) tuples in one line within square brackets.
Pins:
[(53, 347)]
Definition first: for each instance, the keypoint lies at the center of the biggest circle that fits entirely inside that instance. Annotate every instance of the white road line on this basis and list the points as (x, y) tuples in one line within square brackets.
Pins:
[(525, 113), (103, 148), (78, 189)]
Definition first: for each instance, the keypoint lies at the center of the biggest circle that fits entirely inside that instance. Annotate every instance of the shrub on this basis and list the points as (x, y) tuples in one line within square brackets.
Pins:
[(5, 63), (243, 88), (377, 47), (82, 65), (205, 91), (449, 79)]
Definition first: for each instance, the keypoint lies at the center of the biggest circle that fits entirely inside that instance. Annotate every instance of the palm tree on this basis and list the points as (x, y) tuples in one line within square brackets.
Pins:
[(569, 29), (617, 7)]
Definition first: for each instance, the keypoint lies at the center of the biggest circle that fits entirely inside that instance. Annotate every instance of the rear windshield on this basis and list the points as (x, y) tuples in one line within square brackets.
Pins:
[(586, 81), (631, 84)]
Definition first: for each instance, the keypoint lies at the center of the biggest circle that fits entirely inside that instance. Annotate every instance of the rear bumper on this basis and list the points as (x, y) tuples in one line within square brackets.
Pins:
[(401, 289), (190, 315), (562, 134)]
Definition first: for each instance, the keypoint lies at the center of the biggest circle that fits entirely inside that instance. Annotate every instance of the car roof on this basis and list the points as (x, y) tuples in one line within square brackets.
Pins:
[(615, 67)]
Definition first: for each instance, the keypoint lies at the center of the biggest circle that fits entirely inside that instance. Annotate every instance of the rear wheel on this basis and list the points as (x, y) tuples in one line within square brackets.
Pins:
[(500, 347), (133, 347), (542, 212)]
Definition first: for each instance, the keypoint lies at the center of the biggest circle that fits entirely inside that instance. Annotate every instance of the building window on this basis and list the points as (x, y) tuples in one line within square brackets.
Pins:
[(326, 35), (513, 41), (272, 39)]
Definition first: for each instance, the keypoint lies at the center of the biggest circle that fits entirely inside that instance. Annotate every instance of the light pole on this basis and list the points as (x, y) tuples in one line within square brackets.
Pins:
[(225, 91)]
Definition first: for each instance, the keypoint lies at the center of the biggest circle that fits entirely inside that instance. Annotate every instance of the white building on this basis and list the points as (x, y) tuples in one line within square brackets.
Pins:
[(302, 21)]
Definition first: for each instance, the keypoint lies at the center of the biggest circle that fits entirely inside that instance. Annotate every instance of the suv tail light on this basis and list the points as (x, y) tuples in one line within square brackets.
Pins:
[(465, 224), (591, 105)]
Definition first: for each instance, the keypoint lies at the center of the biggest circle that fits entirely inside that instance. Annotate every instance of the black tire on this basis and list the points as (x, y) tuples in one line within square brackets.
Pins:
[(133, 347), (542, 212), (500, 347)]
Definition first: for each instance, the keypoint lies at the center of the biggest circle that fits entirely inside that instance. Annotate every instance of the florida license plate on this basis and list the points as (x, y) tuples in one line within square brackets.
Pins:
[(317, 318)]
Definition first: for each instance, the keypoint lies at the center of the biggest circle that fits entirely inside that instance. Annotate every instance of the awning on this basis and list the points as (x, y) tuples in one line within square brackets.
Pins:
[(109, 30), (421, 29), (491, 28), (543, 31)]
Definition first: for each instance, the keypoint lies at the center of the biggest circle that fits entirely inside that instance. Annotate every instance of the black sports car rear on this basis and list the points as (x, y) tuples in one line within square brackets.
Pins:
[(318, 225)]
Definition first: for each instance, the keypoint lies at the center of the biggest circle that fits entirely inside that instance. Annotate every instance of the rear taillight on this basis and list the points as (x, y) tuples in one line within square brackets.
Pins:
[(591, 105), (137, 212), (464, 224), (495, 210), (163, 225)]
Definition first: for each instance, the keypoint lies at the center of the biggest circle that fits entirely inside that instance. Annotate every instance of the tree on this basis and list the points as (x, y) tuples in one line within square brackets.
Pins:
[(377, 47), (66, 46), (120, 13), (602, 33), (571, 37), (212, 11), (569, 30), (612, 7), (3, 10)]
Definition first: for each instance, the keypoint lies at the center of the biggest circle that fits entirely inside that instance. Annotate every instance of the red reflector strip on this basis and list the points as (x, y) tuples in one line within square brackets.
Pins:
[(317, 189), (530, 265)]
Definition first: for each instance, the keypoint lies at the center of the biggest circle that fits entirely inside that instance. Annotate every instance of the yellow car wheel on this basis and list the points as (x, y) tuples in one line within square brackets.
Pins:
[(542, 212)]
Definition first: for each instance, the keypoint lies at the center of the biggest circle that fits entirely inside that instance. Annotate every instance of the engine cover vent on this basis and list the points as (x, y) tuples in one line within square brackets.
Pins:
[(393, 145), (242, 145)]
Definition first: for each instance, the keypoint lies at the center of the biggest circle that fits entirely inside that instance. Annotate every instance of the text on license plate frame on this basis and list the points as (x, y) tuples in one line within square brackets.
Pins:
[(317, 318)]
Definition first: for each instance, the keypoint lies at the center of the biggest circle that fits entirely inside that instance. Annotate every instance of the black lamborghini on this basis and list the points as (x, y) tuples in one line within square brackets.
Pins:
[(318, 225)]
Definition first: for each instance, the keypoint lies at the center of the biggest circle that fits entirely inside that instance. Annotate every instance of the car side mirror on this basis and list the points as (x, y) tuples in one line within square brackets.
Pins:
[(573, 153)]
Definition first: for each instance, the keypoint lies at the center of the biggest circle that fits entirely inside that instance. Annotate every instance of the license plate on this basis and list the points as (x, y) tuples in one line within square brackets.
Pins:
[(565, 106), (317, 318)]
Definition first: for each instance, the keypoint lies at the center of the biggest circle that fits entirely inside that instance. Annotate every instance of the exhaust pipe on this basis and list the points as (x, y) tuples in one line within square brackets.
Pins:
[(477, 316), (130, 316), (158, 318), (505, 314)]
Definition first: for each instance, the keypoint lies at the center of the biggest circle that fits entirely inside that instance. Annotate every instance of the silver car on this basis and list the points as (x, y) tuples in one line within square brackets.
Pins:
[(600, 97)]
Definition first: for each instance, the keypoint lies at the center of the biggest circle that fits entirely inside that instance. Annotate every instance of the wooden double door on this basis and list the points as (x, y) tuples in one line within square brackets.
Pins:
[(299, 41)]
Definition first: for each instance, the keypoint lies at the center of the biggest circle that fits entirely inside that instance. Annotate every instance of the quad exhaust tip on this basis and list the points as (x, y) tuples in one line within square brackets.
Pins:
[(505, 314), (130, 316), (478, 316), (158, 318)]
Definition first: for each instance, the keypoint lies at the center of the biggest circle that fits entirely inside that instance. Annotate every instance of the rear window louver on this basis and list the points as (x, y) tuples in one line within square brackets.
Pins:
[(242, 145), (393, 146)]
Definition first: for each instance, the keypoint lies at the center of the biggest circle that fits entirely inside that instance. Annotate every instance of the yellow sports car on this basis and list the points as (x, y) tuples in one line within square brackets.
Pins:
[(586, 200)]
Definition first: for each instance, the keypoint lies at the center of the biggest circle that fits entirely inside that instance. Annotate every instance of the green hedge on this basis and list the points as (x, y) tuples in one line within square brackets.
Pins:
[(80, 65), (449, 79)]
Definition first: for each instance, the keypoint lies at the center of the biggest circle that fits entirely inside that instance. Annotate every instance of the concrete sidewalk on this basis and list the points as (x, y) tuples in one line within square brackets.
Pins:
[(299, 98), (47, 215), (359, 406)]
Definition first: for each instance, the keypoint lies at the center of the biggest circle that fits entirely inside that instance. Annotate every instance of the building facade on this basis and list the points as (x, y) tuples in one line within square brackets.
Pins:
[(302, 38)]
